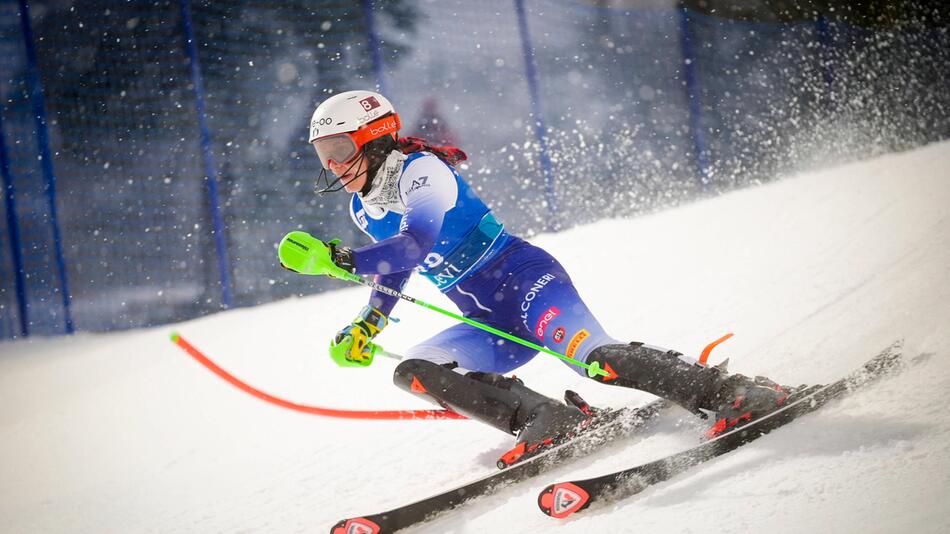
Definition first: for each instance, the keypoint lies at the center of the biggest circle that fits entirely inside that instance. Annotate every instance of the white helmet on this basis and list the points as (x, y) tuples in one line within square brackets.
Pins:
[(344, 123), (347, 112)]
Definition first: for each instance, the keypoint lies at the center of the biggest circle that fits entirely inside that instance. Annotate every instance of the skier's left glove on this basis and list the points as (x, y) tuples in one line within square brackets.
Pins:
[(302, 253), (351, 347)]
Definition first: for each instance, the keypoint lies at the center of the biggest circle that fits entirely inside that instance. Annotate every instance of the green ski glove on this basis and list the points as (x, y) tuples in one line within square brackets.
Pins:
[(301, 252), (352, 347)]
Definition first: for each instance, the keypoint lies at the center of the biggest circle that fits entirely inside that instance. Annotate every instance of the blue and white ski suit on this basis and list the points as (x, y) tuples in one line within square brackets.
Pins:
[(441, 229)]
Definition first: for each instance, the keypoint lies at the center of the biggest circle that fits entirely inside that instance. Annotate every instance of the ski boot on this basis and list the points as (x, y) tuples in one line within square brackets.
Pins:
[(742, 399), (735, 399), (550, 425), (505, 403)]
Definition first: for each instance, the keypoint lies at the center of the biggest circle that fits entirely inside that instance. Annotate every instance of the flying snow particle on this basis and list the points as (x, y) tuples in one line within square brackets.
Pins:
[(574, 77), (286, 72)]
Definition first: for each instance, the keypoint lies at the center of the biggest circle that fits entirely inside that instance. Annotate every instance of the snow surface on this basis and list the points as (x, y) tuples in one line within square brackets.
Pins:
[(123, 432)]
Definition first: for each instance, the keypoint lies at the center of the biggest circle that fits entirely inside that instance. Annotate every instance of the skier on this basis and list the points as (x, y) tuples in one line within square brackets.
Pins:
[(410, 199)]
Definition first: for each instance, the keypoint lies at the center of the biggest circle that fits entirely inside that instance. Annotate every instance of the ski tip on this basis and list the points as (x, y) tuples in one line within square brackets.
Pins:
[(175, 337), (562, 499), (358, 525)]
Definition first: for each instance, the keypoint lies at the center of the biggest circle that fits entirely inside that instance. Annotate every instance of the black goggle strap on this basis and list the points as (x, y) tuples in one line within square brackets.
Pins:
[(328, 186)]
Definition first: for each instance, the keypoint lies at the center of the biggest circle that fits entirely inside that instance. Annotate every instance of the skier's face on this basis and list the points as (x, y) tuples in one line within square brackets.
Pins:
[(353, 176)]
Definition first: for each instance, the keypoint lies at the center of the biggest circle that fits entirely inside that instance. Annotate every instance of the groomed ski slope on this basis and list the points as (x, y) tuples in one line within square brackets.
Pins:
[(124, 433)]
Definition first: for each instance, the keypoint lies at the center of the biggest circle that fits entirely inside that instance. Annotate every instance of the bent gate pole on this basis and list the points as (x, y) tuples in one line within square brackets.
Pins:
[(313, 410)]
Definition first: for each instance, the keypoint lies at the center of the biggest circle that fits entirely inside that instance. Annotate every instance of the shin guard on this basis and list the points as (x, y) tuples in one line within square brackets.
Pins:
[(665, 374), (502, 402), (485, 401)]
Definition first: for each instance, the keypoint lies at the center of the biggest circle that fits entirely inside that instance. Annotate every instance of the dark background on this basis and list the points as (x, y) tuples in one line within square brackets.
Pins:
[(640, 105)]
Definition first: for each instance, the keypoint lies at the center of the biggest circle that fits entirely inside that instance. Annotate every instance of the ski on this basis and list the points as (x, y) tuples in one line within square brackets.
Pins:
[(563, 499), (622, 422)]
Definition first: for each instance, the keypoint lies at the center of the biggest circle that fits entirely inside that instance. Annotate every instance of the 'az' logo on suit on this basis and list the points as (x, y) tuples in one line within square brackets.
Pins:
[(418, 183)]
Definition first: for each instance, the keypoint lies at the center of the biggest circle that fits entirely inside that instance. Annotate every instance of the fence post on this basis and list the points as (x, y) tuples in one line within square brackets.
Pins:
[(46, 158), (826, 45), (375, 51), (207, 153), (539, 127), (13, 228), (689, 75)]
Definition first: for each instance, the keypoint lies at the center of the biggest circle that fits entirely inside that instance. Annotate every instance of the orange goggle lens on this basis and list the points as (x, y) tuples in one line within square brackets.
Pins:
[(340, 148)]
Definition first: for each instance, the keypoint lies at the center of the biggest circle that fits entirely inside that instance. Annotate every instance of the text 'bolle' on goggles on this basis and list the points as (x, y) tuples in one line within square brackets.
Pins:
[(342, 147)]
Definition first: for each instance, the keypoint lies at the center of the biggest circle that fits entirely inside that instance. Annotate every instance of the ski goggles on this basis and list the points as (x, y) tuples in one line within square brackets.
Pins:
[(342, 147)]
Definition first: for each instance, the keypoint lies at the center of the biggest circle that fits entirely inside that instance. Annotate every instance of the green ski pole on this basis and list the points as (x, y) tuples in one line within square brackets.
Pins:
[(592, 369), (377, 350)]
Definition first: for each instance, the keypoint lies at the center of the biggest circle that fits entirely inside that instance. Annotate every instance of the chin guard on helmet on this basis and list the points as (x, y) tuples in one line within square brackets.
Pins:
[(324, 185)]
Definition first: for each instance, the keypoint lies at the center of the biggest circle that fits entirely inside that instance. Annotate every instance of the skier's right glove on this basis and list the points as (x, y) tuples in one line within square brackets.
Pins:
[(302, 253), (351, 347)]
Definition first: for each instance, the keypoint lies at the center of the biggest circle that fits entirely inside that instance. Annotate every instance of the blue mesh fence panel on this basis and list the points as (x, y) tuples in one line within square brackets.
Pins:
[(44, 305), (887, 89), (265, 71), (782, 97), (463, 82), (10, 325), (132, 195), (11, 56), (613, 97), (753, 78)]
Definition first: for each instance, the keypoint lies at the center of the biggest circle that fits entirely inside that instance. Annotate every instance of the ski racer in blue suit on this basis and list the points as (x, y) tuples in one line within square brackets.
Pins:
[(423, 217), (442, 230)]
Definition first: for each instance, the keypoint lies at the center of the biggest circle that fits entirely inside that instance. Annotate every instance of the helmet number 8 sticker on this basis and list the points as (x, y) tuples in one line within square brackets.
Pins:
[(369, 103)]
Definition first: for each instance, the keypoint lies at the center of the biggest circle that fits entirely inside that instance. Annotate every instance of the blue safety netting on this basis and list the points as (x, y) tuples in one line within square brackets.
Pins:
[(25, 187), (130, 192), (570, 112), (464, 83), (264, 70), (613, 97)]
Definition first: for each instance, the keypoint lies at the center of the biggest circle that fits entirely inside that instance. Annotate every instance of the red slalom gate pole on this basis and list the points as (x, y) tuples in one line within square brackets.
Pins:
[(388, 415)]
